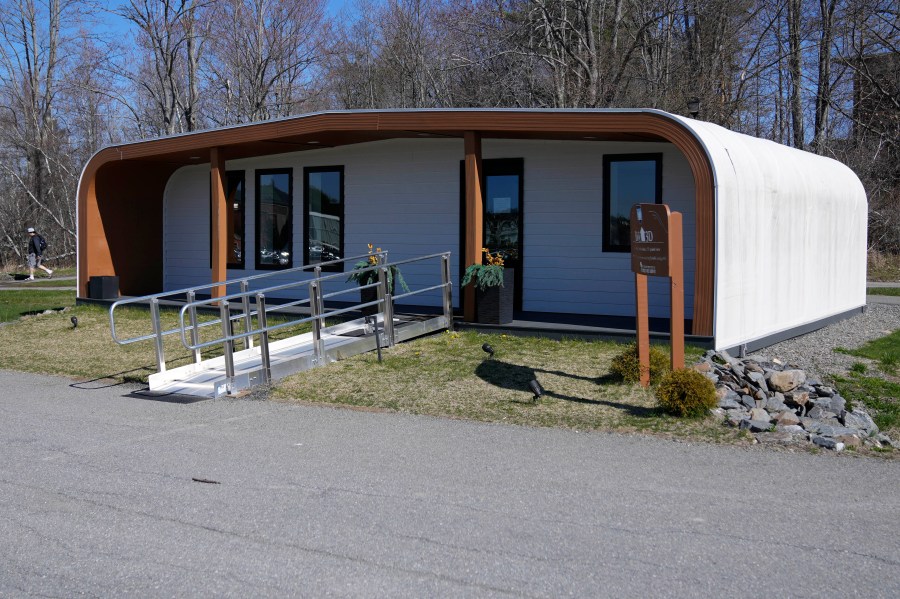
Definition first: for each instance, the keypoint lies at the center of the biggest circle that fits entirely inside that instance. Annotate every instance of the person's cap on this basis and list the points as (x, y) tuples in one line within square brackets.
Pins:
[(31, 229)]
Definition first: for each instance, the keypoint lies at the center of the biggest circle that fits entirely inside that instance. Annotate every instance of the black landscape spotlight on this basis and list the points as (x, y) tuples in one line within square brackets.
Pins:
[(74, 320), (488, 349), (536, 389)]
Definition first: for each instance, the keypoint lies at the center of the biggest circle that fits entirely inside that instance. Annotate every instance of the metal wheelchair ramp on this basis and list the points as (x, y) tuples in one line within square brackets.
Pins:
[(244, 318), (209, 378)]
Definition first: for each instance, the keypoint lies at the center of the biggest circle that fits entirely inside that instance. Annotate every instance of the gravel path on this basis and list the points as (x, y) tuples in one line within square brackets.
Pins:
[(815, 353)]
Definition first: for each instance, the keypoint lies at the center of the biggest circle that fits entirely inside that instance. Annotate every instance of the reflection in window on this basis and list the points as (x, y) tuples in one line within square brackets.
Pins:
[(234, 195), (627, 179), (324, 199), (273, 219), (501, 215)]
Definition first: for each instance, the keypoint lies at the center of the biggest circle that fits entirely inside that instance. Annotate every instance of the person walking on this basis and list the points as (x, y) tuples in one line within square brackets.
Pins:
[(36, 247)]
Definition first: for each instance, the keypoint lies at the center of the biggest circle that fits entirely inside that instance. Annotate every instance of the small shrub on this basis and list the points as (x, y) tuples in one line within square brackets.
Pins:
[(686, 392), (858, 367), (627, 367)]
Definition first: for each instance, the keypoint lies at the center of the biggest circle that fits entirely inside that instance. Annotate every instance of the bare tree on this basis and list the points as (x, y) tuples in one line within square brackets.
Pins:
[(39, 169), (170, 36), (260, 61)]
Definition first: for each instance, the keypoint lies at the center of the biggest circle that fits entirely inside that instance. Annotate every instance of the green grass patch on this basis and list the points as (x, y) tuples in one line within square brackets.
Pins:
[(892, 291), (884, 350), (882, 397), (16, 303)]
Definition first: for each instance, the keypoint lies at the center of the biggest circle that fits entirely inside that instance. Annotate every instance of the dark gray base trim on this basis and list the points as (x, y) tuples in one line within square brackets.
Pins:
[(803, 329), (557, 331)]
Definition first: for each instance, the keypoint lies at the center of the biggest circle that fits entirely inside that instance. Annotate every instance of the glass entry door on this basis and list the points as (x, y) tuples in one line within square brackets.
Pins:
[(503, 215)]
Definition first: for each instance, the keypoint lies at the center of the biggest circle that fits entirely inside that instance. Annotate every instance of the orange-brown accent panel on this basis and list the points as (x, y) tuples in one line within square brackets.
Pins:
[(474, 216), (120, 216), (219, 220)]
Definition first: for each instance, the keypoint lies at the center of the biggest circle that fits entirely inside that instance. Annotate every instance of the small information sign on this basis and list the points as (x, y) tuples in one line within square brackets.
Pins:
[(650, 239), (656, 251)]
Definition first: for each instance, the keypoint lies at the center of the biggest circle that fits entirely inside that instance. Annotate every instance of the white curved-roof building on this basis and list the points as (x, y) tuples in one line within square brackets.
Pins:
[(774, 238)]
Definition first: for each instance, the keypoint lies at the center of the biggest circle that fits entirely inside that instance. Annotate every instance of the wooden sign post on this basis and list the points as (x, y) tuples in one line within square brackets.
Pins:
[(656, 250)]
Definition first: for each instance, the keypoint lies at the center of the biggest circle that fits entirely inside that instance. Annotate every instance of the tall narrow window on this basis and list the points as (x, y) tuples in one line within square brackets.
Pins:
[(234, 219), (627, 179), (323, 197), (234, 195), (274, 235)]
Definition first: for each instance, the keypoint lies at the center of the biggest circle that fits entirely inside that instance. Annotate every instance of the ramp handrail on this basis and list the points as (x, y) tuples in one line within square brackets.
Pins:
[(317, 308), (315, 301), (190, 292)]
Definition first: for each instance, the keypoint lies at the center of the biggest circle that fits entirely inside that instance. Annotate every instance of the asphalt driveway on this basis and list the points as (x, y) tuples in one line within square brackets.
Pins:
[(102, 494)]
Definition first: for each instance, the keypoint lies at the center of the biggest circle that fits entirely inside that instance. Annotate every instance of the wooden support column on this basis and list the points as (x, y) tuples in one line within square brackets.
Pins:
[(474, 216), (219, 220)]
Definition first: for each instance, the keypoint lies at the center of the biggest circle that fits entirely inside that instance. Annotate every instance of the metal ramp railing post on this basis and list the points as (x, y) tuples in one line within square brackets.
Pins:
[(263, 322), (158, 334), (448, 290), (245, 289), (228, 345), (315, 306), (195, 332), (387, 306)]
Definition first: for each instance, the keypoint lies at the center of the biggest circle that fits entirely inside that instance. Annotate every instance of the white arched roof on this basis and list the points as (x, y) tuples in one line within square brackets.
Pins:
[(790, 236)]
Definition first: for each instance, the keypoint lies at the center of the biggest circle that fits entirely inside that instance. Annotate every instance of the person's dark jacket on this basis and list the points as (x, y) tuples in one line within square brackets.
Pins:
[(34, 245)]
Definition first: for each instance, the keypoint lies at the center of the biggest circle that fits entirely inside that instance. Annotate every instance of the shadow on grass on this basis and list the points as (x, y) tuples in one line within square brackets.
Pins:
[(516, 378)]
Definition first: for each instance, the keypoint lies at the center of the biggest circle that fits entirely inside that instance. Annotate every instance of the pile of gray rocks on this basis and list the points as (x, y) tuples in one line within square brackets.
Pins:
[(779, 404)]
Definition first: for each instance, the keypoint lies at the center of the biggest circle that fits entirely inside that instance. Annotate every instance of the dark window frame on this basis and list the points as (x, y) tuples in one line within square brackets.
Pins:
[(607, 160), (256, 203), (307, 171)]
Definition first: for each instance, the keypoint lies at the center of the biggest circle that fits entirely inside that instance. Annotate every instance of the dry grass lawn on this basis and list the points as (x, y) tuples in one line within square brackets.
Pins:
[(449, 375)]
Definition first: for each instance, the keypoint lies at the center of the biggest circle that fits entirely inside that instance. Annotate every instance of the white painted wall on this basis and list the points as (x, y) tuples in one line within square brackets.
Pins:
[(404, 196), (790, 236)]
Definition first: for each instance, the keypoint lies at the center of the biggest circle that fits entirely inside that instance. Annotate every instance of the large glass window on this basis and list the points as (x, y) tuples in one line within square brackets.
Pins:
[(274, 235), (323, 196), (628, 179)]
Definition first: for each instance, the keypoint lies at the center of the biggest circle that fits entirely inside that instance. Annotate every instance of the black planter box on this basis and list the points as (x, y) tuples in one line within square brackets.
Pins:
[(103, 287), (495, 304)]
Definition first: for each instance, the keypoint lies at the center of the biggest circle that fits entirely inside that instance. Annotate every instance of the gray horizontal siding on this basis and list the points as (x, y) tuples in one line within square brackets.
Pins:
[(404, 196)]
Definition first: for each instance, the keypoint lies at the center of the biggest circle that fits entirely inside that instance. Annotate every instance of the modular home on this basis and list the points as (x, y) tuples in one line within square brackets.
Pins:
[(774, 237)]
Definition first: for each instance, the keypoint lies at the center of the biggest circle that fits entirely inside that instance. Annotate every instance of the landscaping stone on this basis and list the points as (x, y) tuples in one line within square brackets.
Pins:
[(786, 380), (849, 440), (755, 392), (780, 437), (787, 418), (828, 443), (756, 426), (859, 419), (759, 414)]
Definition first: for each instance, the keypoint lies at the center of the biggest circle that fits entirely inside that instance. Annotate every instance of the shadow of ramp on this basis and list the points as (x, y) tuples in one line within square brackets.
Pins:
[(163, 397), (135, 388)]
